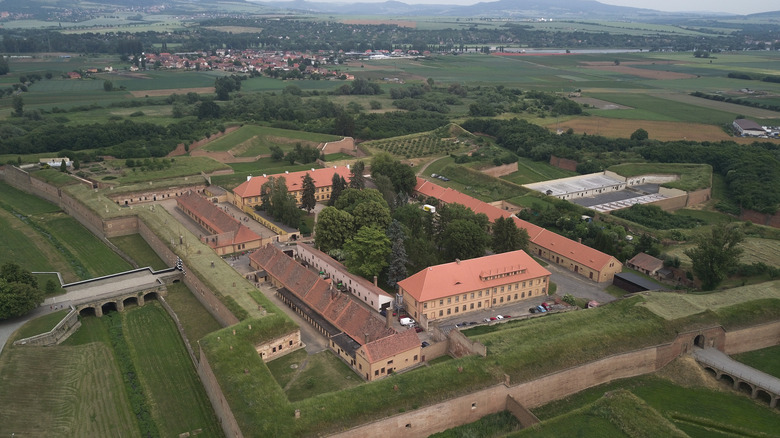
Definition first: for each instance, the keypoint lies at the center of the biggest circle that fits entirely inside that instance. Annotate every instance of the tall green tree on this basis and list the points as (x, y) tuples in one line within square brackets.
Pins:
[(356, 179), (338, 184), (397, 260), (402, 175), (334, 227), (19, 293), (366, 253), (385, 187), (464, 239), (18, 105), (4, 69), (351, 198), (508, 237), (308, 199), (715, 254), (371, 214)]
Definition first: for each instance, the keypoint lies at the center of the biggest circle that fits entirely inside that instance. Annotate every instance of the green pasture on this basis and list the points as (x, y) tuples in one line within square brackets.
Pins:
[(489, 426), (25, 203), (157, 114), (180, 167), (529, 171), (135, 247), (477, 184), (74, 391), (766, 360), (254, 140), (177, 398), (161, 79), (54, 177)]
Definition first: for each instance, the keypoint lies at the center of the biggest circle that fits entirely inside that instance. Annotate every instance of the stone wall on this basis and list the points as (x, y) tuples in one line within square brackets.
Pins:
[(280, 346), (436, 349), (523, 415), (346, 146), (460, 345), (700, 196), (498, 171), (217, 398), (69, 324), (675, 199), (771, 220), (563, 163), (753, 338)]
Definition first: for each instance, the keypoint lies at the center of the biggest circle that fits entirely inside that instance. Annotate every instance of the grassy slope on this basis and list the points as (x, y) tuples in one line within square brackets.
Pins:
[(178, 400)]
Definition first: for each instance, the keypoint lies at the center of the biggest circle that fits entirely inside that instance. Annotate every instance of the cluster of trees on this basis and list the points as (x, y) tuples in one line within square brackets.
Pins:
[(302, 154), (225, 85), (736, 100), (279, 203), (654, 217), (19, 292)]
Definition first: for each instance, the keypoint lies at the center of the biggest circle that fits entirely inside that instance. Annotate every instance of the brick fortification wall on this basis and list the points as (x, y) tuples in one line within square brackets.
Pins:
[(217, 398), (563, 163), (468, 408), (753, 338), (771, 220), (697, 197)]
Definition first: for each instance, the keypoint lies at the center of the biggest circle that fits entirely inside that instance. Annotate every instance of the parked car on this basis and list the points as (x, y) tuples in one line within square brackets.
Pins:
[(472, 322), (418, 329), (383, 312), (486, 320), (533, 310), (424, 344), (507, 316), (498, 317), (443, 178), (541, 309), (546, 306)]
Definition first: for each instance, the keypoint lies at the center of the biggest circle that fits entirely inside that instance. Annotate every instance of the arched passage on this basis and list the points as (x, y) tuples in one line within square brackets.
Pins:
[(763, 396), (745, 387), (130, 301), (87, 311), (108, 307), (150, 296), (711, 371), (727, 379), (699, 341)]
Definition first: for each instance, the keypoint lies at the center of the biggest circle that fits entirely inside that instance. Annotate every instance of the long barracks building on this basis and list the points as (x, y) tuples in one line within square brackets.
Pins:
[(574, 256), (247, 194)]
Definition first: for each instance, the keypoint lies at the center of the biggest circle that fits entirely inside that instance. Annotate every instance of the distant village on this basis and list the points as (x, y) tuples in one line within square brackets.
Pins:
[(284, 65)]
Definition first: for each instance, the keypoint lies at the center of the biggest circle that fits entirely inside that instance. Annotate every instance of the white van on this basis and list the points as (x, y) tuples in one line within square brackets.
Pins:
[(406, 321)]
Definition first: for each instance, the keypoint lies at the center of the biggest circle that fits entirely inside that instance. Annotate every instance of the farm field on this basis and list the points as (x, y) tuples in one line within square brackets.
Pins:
[(755, 250), (657, 130)]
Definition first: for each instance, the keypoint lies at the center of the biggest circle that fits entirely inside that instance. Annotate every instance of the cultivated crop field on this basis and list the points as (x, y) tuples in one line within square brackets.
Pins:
[(657, 130), (416, 146)]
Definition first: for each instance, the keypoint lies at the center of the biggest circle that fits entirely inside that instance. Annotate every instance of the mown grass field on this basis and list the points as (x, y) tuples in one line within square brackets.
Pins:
[(74, 391), (41, 325), (303, 376), (691, 176), (195, 319), (178, 400), (755, 250), (529, 171), (180, 167)]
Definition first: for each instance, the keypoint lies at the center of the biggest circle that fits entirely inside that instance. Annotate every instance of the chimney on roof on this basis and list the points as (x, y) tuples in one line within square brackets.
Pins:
[(457, 261), (375, 285), (347, 166), (248, 177), (579, 240), (286, 171), (264, 175), (367, 338)]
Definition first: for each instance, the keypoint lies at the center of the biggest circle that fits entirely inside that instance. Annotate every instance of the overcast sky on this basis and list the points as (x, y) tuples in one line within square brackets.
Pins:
[(735, 7)]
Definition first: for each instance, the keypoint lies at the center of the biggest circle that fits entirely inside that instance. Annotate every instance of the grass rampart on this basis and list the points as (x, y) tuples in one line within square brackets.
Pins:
[(479, 185), (617, 328), (692, 176)]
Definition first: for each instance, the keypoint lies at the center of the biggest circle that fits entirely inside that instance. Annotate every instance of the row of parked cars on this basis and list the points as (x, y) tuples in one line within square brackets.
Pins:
[(542, 308), (441, 177)]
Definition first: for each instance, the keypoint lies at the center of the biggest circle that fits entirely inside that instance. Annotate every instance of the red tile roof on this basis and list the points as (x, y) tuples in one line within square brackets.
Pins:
[(341, 268), (454, 278), (338, 308), (230, 230), (391, 345), (549, 240), (322, 178)]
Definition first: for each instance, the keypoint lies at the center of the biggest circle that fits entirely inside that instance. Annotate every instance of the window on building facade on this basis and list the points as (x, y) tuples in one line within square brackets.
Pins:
[(472, 306), (472, 295), (449, 311), (479, 304), (425, 305), (456, 309), (494, 301), (457, 298), (441, 302), (441, 313)]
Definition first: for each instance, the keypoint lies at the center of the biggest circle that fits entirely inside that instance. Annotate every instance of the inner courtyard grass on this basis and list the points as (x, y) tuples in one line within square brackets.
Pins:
[(766, 360), (136, 248)]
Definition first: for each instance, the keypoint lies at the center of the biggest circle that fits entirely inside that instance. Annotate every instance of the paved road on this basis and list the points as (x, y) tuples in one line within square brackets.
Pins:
[(719, 360), (570, 283)]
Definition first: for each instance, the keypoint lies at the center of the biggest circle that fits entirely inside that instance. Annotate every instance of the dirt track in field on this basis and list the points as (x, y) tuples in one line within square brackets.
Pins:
[(168, 92), (639, 72)]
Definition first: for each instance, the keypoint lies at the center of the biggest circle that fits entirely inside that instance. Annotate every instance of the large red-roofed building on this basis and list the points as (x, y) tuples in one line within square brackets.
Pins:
[(227, 235), (574, 256), (472, 285), (247, 194), (356, 333)]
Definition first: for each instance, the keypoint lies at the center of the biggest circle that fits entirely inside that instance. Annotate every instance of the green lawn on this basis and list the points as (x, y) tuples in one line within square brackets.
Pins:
[(766, 360), (41, 324), (529, 171), (318, 374), (692, 176), (489, 426), (177, 398), (136, 248), (180, 167)]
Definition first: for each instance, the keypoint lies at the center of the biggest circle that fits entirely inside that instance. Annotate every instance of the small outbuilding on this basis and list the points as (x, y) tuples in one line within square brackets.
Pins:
[(631, 282)]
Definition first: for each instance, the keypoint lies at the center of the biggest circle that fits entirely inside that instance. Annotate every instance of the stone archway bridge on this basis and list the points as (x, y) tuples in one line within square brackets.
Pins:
[(744, 377), (113, 292)]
